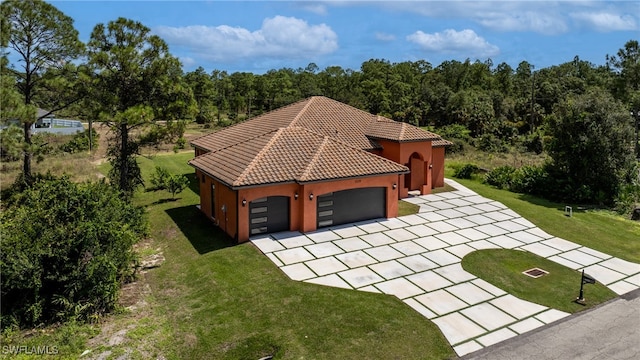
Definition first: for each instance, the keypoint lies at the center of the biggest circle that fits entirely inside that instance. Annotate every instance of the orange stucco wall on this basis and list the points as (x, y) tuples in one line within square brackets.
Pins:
[(302, 211), (421, 176), (225, 214)]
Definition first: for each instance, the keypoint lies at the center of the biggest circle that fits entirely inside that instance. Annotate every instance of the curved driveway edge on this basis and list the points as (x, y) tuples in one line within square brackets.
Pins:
[(417, 258)]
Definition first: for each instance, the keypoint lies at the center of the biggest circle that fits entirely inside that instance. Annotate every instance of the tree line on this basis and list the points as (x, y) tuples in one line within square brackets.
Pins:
[(127, 78)]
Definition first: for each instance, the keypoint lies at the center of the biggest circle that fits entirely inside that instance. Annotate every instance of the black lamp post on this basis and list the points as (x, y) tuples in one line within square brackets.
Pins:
[(635, 114)]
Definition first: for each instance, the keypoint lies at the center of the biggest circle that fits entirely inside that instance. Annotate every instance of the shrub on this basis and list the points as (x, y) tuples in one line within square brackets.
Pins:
[(11, 140), (458, 147), (180, 144), (160, 178), (465, 171), (628, 199), (500, 177), (491, 143), (173, 183), (80, 142), (176, 183), (534, 142), (66, 249), (529, 179), (454, 131)]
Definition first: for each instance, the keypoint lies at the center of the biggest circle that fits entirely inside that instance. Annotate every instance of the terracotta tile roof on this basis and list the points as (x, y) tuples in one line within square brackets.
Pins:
[(383, 128), (324, 116), (255, 127), (293, 154), (440, 142), (311, 140)]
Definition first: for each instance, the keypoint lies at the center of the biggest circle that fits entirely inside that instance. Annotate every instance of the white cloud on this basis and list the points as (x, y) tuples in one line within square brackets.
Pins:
[(318, 9), (544, 17), (279, 37), (385, 37), (536, 16), (604, 21), (544, 23), (465, 42)]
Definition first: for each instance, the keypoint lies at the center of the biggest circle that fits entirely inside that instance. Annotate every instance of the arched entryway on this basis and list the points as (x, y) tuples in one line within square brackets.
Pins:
[(417, 166)]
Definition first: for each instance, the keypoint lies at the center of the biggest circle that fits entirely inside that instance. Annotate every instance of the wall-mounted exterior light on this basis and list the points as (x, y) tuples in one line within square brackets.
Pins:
[(311, 196), (395, 186), (295, 196), (244, 202)]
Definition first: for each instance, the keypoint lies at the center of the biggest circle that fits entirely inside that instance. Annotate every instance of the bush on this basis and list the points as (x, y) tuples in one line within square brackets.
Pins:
[(534, 142), (180, 144), (454, 131), (66, 249), (160, 178), (628, 199), (176, 183), (11, 140), (465, 171), (529, 179), (500, 177), (80, 142), (491, 143), (163, 180)]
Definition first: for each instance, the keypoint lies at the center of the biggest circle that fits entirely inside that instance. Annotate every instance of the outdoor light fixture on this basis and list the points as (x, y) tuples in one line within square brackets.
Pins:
[(311, 196), (295, 196), (244, 202), (395, 186)]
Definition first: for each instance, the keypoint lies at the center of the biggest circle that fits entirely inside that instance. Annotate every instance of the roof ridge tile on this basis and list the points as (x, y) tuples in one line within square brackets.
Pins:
[(315, 158), (301, 112), (258, 157)]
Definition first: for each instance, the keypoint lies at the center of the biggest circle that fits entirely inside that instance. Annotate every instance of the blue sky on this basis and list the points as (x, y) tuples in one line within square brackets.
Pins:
[(256, 36)]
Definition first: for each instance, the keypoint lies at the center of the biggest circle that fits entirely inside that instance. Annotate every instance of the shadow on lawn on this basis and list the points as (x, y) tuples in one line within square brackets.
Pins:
[(201, 233)]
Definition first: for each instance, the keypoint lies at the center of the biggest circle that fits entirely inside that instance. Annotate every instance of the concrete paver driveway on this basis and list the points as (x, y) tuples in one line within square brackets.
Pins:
[(417, 258)]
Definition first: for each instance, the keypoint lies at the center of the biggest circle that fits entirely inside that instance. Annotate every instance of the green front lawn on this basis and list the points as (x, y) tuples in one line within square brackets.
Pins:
[(558, 290)]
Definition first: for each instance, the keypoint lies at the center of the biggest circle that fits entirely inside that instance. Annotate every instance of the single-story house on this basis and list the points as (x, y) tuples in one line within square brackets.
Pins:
[(312, 164)]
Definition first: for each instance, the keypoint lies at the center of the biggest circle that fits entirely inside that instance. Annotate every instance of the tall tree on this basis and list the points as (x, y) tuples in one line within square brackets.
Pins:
[(133, 73), (204, 93), (43, 38), (591, 146), (626, 64)]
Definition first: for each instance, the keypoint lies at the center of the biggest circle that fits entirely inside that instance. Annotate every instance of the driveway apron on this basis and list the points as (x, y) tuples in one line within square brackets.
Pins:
[(417, 258)]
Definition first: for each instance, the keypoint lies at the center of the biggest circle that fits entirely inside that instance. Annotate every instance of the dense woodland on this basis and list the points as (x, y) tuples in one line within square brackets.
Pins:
[(580, 114)]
